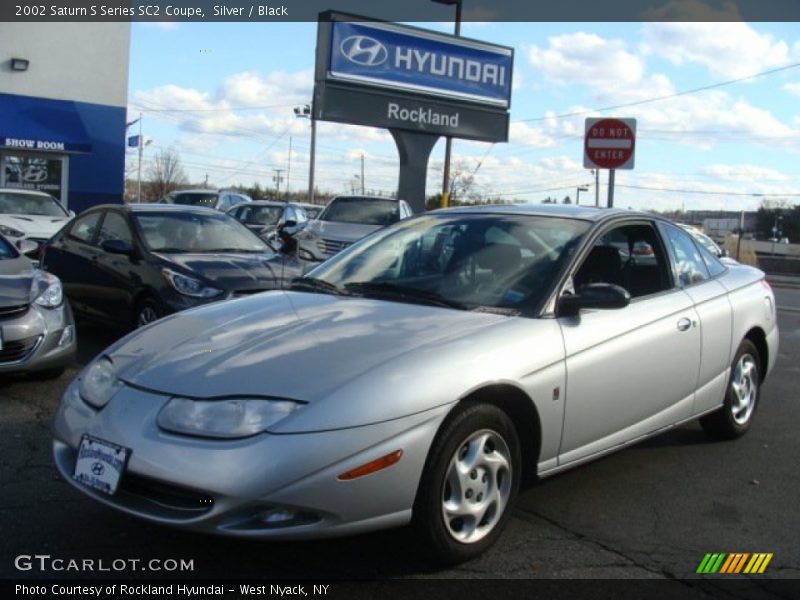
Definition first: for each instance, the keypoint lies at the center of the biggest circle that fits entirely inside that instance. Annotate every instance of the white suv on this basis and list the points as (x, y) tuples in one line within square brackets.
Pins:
[(32, 215)]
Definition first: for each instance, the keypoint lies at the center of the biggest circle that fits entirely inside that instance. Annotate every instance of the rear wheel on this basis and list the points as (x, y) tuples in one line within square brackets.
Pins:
[(470, 481), (735, 416)]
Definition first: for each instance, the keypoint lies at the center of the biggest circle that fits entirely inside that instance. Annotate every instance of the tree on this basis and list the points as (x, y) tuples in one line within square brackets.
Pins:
[(165, 174)]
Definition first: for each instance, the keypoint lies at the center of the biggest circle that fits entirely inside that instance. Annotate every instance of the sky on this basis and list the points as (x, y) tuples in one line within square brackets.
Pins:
[(717, 108)]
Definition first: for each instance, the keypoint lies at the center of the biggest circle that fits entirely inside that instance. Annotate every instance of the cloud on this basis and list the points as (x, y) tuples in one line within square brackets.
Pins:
[(744, 173), (727, 50), (792, 88), (586, 58)]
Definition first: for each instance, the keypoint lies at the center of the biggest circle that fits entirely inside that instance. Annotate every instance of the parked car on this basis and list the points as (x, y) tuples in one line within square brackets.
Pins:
[(130, 265), (706, 241), (220, 199), (312, 210), (419, 377), (347, 219), (31, 215), (266, 217), (37, 330)]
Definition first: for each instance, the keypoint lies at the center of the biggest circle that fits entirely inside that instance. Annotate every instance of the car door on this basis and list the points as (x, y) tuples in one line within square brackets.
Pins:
[(70, 256), (117, 276), (630, 371), (696, 272)]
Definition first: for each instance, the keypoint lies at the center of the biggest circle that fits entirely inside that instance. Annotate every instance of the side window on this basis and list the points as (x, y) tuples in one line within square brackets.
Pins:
[(114, 227), (84, 227), (629, 256), (301, 215), (715, 267), (689, 264), (225, 203)]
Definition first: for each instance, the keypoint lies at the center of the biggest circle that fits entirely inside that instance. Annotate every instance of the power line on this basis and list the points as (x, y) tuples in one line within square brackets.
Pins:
[(665, 97)]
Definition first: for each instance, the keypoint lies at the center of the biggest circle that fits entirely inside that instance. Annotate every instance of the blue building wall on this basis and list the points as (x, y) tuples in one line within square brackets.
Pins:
[(99, 177)]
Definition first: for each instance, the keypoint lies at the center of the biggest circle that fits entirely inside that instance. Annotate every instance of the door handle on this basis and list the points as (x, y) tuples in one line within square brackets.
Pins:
[(684, 324)]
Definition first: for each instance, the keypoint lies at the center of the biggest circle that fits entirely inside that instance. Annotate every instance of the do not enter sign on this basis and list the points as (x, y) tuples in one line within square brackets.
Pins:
[(609, 143)]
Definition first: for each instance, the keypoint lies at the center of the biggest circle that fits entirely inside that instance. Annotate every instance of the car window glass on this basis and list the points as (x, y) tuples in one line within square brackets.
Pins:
[(715, 267), (629, 256), (114, 227), (83, 227), (689, 264), (7, 250)]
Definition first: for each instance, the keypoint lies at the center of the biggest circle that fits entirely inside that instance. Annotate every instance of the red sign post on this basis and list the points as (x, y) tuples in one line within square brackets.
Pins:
[(609, 144)]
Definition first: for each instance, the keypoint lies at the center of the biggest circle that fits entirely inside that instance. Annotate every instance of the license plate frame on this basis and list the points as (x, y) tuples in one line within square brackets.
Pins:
[(100, 464)]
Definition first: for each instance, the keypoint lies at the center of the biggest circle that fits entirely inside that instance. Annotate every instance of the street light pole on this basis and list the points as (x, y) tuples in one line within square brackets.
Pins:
[(448, 141), (306, 112)]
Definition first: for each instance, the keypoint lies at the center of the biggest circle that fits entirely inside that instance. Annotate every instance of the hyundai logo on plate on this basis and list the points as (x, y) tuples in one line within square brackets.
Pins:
[(363, 50), (98, 468)]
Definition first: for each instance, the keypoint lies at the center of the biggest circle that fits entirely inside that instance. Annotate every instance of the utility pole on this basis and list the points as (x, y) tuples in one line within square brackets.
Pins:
[(277, 179), (141, 148), (289, 168), (362, 175)]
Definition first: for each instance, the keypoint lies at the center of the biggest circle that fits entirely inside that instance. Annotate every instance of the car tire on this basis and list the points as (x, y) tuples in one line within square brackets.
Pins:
[(471, 479), (735, 416), (147, 311)]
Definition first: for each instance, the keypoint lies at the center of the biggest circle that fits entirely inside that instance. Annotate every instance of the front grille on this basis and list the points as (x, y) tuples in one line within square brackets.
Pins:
[(175, 501), (18, 350), (9, 312), (331, 247)]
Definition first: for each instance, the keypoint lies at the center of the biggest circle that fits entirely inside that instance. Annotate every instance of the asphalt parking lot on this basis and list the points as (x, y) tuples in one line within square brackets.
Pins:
[(651, 511)]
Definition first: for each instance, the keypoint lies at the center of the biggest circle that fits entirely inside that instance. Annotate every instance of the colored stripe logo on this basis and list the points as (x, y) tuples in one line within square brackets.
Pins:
[(734, 563)]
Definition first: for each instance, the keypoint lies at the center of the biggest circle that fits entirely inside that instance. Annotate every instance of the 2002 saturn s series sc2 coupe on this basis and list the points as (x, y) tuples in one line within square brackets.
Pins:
[(420, 376)]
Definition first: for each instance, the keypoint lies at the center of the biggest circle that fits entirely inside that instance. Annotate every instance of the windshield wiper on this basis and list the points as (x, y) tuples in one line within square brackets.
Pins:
[(312, 284), (399, 292)]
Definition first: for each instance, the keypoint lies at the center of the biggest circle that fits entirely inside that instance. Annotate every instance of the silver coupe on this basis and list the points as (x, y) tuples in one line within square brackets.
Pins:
[(420, 377)]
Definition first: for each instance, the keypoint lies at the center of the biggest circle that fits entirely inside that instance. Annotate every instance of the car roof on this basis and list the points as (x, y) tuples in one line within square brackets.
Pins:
[(158, 207), (266, 203), (586, 213)]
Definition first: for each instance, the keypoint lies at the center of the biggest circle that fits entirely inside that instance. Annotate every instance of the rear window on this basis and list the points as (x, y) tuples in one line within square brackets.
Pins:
[(364, 211), (194, 199)]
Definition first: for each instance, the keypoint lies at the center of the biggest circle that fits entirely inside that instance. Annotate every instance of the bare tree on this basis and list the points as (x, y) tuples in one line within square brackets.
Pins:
[(165, 174)]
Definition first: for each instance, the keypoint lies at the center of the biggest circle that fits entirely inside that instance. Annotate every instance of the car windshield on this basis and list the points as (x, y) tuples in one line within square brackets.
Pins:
[(194, 199), (364, 211), (261, 215), (15, 203), (197, 233), (461, 260)]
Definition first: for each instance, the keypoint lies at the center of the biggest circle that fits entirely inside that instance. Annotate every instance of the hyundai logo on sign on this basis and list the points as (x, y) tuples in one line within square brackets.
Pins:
[(363, 50), (388, 55)]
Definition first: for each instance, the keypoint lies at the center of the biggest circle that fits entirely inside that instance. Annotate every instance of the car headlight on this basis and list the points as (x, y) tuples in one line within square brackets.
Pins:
[(46, 289), (11, 232), (233, 418), (99, 382), (189, 286)]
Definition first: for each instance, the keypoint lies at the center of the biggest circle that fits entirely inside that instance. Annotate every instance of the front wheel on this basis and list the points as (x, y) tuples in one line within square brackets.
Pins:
[(146, 312), (735, 416), (470, 481)]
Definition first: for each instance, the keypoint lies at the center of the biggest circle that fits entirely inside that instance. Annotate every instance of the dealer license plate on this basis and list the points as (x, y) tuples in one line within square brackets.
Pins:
[(100, 464)]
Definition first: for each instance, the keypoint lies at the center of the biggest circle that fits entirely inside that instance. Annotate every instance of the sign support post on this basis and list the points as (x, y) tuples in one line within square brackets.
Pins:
[(611, 187), (414, 150)]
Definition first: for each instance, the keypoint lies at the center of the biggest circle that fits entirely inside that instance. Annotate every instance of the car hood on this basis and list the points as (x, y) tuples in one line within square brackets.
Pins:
[(35, 226), (346, 232), (295, 345), (234, 272), (15, 281)]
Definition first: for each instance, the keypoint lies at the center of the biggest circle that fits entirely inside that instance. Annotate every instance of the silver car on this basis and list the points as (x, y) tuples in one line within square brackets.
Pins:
[(345, 220), (37, 330), (420, 376)]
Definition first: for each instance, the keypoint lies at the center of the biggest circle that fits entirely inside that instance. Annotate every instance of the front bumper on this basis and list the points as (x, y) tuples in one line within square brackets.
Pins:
[(40, 339), (229, 487)]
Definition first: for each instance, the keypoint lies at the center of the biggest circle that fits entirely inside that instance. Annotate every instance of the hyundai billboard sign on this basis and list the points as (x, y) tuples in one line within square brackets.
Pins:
[(420, 62)]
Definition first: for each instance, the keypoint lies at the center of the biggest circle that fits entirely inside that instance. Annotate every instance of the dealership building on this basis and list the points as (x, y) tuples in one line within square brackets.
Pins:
[(63, 98)]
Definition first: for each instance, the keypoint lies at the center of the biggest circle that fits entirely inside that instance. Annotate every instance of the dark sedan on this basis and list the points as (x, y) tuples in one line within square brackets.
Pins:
[(130, 265)]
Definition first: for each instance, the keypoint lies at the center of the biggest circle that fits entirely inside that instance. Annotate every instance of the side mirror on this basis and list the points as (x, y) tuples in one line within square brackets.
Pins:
[(117, 247), (71, 214), (593, 295), (26, 246)]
